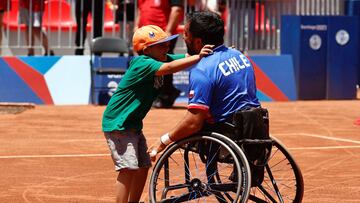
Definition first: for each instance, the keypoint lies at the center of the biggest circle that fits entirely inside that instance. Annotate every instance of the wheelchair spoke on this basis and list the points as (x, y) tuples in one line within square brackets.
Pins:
[(170, 172), (279, 162), (187, 170), (256, 199), (196, 165), (213, 157), (196, 174), (182, 198), (282, 180), (266, 193)]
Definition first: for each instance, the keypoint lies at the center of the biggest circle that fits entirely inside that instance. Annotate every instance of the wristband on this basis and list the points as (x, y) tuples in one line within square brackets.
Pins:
[(153, 153), (165, 139)]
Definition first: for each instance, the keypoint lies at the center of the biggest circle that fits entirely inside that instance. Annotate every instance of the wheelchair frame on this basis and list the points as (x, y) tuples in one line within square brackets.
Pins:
[(208, 161)]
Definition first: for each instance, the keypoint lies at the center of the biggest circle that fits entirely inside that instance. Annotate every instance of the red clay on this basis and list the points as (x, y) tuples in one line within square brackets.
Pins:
[(58, 153)]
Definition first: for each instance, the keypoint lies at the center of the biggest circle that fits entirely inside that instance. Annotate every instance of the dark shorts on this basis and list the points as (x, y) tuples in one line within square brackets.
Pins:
[(128, 149)]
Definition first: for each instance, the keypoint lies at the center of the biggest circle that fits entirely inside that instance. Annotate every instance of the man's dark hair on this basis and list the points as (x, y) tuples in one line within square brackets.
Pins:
[(208, 26)]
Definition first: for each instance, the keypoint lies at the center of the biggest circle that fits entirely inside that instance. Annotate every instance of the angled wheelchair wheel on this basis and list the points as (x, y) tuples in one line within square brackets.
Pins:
[(201, 168), (283, 181)]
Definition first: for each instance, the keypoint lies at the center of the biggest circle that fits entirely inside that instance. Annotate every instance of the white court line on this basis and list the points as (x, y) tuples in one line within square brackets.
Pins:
[(330, 138), (293, 148), (321, 148), (53, 156), (318, 136), (325, 147)]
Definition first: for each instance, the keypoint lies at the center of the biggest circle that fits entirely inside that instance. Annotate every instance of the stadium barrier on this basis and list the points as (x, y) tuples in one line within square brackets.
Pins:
[(325, 51), (67, 80), (352, 8)]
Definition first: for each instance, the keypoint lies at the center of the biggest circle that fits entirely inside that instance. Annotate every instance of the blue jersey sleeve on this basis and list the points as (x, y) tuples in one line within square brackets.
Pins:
[(200, 91)]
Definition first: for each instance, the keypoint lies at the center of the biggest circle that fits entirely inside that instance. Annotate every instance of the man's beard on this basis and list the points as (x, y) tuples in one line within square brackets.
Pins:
[(190, 50)]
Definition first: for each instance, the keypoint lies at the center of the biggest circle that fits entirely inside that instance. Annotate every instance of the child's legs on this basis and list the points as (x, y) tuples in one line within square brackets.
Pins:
[(37, 29), (40, 34), (30, 40), (130, 185), (123, 185), (137, 184), (128, 151)]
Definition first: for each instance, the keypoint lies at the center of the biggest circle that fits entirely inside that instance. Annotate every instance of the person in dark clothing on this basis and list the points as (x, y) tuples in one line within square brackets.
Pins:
[(82, 10)]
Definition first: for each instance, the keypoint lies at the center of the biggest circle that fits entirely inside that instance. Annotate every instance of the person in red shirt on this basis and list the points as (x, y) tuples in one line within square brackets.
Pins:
[(166, 14), (5, 5), (30, 14)]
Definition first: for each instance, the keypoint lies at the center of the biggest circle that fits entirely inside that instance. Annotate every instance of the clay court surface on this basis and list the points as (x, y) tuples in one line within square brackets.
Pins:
[(58, 153)]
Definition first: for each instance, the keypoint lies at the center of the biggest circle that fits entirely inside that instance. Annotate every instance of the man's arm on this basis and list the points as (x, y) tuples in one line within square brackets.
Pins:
[(191, 123), (137, 19)]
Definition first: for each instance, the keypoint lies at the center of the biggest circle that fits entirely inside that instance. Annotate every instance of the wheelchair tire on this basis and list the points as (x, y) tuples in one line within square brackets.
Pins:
[(195, 169), (283, 181)]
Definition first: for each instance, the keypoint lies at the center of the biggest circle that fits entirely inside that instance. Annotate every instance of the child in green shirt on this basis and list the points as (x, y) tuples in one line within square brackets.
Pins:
[(122, 120)]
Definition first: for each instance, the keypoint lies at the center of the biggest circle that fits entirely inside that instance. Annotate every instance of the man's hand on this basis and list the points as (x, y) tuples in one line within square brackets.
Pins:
[(155, 149)]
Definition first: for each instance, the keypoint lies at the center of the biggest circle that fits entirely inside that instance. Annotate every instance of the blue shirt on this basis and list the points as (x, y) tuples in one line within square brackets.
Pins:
[(222, 83)]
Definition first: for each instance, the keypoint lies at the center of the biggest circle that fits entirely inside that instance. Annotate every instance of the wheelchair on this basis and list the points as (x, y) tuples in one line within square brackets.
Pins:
[(214, 166)]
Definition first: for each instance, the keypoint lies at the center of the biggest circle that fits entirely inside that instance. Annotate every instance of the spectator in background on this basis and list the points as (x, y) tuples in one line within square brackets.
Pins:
[(216, 6), (127, 15), (30, 14), (166, 14), (82, 10), (5, 5)]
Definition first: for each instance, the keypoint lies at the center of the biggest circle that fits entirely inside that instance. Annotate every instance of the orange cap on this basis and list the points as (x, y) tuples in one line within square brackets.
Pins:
[(149, 35)]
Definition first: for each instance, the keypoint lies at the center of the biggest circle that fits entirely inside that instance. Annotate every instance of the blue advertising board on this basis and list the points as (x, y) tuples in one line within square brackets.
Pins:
[(305, 38), (342, 57), (106, 75)]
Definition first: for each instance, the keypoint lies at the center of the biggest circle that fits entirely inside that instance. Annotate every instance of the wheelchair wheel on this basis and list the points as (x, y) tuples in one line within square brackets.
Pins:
[(283, 180), (198, 168)]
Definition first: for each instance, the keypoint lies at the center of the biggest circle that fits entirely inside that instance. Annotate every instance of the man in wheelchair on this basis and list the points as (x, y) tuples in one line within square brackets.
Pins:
[(222, 89), (223, 110)]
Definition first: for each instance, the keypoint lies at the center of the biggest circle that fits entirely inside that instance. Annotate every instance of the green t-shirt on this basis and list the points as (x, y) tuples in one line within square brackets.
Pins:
[(135, 94)]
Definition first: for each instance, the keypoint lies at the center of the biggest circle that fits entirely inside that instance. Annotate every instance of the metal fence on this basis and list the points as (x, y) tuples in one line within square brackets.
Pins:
[(252, 25)]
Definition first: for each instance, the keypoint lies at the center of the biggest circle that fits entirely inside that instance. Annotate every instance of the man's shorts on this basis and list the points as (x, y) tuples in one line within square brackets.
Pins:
[(34, 19), (128, 149)]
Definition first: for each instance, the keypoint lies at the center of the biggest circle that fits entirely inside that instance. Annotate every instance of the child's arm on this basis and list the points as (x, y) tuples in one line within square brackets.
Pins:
[(181, 64)]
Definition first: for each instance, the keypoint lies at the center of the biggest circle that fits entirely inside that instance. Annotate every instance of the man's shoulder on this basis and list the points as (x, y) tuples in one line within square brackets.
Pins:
[(211, 61)]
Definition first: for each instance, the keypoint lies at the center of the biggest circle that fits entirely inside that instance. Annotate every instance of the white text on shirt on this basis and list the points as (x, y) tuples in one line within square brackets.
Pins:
[(233, 65)]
